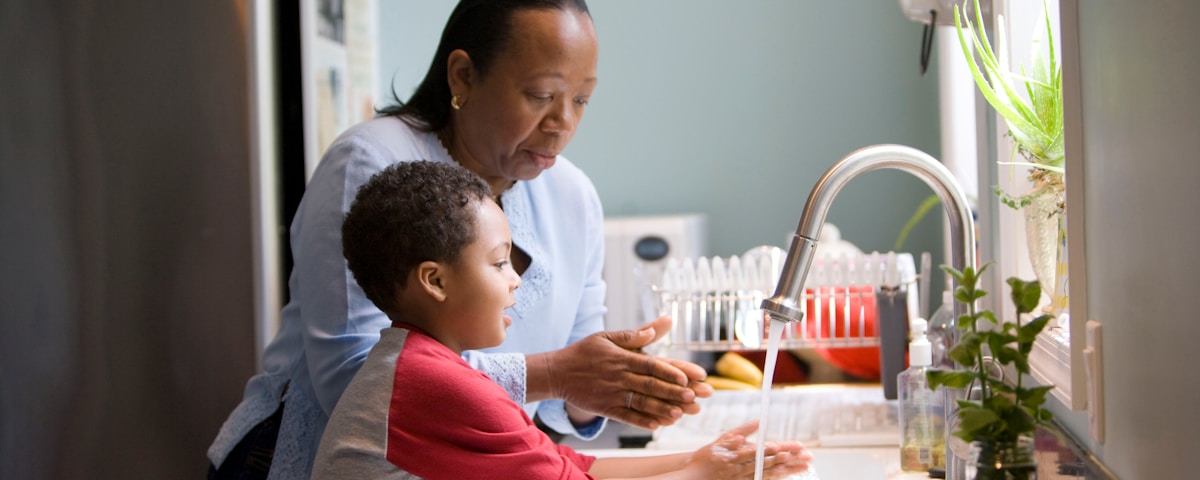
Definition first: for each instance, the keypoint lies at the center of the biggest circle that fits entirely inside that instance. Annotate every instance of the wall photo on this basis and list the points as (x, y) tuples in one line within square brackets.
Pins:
[(339, 42)]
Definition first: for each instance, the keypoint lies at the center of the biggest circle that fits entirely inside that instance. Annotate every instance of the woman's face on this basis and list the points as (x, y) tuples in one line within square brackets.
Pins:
[(515, 120)]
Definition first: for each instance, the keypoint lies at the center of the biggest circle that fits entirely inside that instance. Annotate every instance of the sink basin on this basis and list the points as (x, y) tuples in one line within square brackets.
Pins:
[(828, 463), (851, 463)]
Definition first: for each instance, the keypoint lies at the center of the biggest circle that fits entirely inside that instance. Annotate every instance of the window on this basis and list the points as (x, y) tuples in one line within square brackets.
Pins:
[(1059, 347)]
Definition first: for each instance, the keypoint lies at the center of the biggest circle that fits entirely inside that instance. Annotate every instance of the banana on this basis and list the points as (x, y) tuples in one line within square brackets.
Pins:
[(723, 383), (739, 368)]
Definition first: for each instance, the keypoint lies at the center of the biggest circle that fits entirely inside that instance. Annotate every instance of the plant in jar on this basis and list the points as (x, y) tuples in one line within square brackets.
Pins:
[(1029, 101), (999, 423), (1031, 104)]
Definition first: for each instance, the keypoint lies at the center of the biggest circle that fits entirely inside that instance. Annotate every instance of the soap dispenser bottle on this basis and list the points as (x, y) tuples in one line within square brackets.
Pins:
[(922, 431)]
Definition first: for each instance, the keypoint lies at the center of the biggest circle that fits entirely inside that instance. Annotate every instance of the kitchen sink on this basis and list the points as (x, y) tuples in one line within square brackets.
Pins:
[(859, 463)]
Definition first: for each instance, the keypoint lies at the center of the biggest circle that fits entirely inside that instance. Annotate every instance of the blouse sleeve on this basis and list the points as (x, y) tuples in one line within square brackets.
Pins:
[(340, 325)]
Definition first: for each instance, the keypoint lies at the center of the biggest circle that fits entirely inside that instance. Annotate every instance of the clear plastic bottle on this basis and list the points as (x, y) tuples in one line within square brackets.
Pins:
[(943, 332), (922, 430)]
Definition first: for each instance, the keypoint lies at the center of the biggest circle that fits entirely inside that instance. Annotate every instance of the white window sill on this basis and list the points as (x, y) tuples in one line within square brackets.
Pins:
[(1050, 362)]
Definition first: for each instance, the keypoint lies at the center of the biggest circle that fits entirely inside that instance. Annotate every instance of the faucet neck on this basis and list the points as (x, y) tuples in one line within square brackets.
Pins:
[(790, 289)]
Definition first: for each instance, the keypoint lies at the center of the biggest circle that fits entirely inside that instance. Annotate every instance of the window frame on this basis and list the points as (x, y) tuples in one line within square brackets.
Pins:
[(1057, 356)]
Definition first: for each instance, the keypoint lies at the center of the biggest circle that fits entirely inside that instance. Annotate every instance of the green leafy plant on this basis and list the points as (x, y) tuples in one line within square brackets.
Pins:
[(1029, 102), (1004, 412)]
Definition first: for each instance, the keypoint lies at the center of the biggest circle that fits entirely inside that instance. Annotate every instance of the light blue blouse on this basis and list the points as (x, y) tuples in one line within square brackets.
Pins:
[(329, 325)]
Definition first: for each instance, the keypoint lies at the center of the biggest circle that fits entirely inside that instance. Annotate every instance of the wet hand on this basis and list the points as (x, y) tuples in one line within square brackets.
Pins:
[(607, 374), (732, 457)]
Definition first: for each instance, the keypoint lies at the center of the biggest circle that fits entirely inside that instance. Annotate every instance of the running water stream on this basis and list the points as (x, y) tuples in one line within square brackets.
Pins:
[(773, 339)]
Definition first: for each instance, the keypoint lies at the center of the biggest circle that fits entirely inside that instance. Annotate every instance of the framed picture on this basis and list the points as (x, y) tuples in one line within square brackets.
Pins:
[(339, 40)]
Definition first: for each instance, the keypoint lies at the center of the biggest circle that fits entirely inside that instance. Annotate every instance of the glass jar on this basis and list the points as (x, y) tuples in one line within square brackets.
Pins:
[(1002, 460)]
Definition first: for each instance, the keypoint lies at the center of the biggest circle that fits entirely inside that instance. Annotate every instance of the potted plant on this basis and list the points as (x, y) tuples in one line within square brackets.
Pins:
[(995, 417), (1031, 104)]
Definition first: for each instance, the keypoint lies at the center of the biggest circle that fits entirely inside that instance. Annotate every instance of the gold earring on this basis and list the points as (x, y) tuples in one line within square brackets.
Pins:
[(454, 103)]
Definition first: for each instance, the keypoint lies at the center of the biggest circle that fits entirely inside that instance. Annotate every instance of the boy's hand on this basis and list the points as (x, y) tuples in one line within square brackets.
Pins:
[(732, 457)]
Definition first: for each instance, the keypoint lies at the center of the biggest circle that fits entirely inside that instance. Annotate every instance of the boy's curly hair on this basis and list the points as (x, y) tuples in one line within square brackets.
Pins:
[(406, 214)]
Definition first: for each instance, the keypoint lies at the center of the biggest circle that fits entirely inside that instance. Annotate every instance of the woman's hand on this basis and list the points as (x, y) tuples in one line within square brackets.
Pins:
[(732, 457), (607, 374)]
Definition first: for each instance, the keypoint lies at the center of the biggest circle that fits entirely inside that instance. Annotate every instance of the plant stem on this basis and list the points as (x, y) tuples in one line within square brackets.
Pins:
[(984, 378), (1017, 398)]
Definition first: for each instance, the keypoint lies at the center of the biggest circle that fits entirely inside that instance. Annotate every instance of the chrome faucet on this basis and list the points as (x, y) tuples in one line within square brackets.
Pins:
[(789, 292)]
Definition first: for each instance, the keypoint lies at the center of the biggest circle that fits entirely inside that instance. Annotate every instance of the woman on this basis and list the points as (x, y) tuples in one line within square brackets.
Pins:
[(506, 90)]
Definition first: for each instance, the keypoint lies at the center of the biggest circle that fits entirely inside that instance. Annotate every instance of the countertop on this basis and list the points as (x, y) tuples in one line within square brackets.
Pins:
[(1059, 456)]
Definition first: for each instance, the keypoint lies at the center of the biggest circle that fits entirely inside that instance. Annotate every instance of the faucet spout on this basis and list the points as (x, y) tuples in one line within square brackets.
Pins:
[(789, 292)]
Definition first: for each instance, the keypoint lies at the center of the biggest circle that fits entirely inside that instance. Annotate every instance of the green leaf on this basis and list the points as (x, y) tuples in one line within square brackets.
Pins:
[(1034, 397), (978, 294), (966, 322), (1025, 295), (967, 285), (1001, 337), (922, 209), (950, 378), (1003, 387), (1030, 330), (983, 268), (1021, 363), (967, 350), (1015, 203), (962, 294), (973, 418), (991, 317), (1018, 421), (999, 404), (958, 276), (1003, 353), (1000, 97)]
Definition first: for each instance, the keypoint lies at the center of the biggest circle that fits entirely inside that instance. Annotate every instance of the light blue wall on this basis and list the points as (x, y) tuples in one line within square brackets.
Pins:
[(734, 109), (1139, 145)]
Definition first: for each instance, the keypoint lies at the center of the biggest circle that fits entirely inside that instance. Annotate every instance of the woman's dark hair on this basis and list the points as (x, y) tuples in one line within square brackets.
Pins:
[(406, 214), (483, 29)]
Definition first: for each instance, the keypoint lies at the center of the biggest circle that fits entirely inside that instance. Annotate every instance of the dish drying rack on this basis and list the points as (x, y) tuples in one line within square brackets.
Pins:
[(850, 301), (859, 300)]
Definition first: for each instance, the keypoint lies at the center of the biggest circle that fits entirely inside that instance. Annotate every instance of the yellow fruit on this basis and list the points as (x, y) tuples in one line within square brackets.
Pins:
[(722, 383), (739, 368)]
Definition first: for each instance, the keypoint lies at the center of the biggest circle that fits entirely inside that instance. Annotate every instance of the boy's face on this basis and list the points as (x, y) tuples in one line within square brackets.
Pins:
[(480, 286)]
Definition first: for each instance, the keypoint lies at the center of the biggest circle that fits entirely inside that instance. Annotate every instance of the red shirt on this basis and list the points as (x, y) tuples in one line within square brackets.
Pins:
[(444, 419)]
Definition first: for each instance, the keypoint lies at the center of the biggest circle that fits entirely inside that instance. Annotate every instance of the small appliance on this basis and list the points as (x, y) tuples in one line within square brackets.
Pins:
[(636, 250)]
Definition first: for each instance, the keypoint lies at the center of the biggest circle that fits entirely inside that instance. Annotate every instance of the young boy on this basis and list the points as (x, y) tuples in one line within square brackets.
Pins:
[(430, 247)]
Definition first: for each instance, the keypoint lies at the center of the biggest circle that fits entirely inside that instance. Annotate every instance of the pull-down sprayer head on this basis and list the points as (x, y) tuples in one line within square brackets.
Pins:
[(789, 292)]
